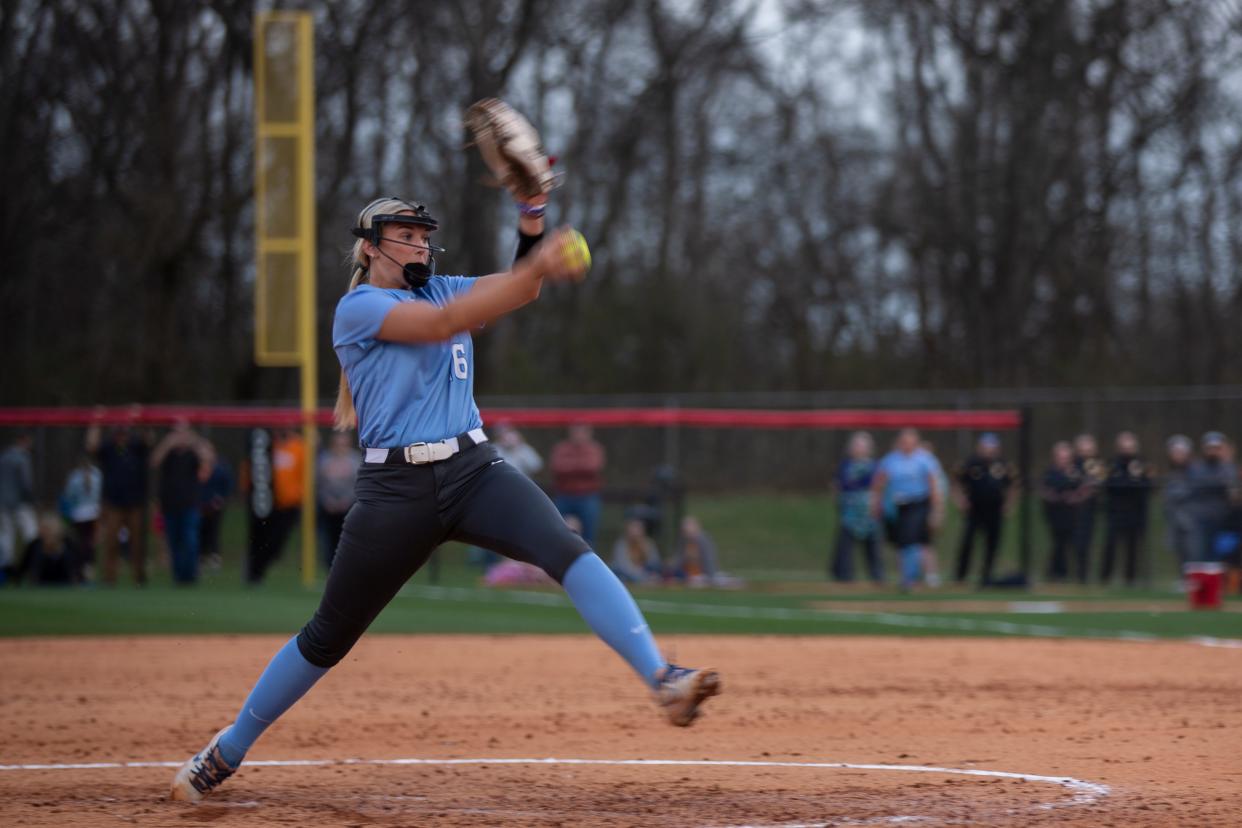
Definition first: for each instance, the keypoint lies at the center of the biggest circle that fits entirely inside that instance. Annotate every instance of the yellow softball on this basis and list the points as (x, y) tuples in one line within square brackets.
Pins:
[(575, 252)]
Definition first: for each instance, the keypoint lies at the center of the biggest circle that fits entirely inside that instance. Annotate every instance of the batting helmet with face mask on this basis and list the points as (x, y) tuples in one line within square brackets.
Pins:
[(416, 274)]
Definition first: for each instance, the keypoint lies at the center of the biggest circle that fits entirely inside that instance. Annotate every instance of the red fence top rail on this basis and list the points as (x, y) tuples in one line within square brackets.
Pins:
[(158, 415), (238, 416), (758, 418)]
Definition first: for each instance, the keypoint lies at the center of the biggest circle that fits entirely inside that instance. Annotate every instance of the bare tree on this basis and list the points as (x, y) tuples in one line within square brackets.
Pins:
[(813, 194)]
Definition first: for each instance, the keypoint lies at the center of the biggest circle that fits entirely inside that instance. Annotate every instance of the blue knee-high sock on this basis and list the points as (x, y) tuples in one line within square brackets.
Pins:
[(607, 606), (287, 678), (911, 564)]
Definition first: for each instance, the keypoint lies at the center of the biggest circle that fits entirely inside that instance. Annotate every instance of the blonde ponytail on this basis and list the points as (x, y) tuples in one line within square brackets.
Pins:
[(344, 415)]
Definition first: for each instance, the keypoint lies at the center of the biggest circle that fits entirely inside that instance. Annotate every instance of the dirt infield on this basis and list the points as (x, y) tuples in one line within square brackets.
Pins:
[(1152, 732)]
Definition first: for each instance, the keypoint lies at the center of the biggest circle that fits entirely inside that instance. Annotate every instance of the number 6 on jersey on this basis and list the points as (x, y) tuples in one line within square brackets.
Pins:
[(461, 368)]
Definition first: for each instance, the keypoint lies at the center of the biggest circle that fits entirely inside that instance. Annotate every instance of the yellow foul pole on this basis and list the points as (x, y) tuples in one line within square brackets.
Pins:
[(285, 224), (306, 295)]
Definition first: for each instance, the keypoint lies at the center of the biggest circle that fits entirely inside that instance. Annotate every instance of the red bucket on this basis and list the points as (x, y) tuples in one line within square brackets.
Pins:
[(1205, 584)]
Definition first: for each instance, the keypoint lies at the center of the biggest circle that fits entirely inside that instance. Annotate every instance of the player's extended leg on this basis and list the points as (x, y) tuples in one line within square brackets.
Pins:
[(506, 512), (386, 538)]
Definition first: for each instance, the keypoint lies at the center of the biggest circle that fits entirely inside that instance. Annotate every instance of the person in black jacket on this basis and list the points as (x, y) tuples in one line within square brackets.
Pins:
[(1059, 490), (984, 484), (1127, 489)]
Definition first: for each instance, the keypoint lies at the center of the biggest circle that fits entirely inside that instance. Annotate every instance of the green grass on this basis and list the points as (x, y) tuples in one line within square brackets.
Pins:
[(465, 608), (771, 537), (780, 543)]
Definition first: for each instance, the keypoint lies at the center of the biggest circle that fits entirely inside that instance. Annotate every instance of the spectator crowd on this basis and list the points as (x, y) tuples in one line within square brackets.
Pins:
[(1201, 501), (128, 486), (900, 498)]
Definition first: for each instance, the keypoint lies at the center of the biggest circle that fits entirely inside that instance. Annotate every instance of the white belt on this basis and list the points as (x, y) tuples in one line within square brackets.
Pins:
[(420, 453)]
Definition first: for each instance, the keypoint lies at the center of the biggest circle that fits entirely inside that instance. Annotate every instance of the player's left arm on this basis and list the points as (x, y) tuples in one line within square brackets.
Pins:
[(530, 224), (561, 256), (530, 233)]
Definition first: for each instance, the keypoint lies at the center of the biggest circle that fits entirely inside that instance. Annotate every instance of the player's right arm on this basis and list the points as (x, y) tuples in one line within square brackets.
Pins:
[(490, 298)]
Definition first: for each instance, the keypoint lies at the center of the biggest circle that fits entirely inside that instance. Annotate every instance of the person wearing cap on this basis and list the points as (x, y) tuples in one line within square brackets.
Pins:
[(1127, 488), (1180, 522), (984, 485), (1213, 481)]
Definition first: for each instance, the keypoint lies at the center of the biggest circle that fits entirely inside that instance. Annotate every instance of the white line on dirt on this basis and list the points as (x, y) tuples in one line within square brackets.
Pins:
[(1082, 792)]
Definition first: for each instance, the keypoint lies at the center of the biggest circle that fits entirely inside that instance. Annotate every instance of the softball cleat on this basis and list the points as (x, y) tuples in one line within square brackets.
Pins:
[(202, 774), (682, 690)]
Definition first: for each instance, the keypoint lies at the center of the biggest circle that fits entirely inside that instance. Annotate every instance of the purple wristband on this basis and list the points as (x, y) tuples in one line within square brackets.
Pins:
[(532, 210)]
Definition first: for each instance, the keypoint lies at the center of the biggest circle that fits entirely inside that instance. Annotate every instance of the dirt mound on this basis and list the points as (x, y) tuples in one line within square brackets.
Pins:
[(1149, 729)]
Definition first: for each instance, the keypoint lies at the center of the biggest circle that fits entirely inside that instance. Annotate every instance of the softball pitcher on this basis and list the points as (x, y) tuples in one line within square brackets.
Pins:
[(402, 334)]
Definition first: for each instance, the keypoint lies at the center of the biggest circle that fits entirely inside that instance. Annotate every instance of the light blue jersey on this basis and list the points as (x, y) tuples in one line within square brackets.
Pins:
[(405, 393), (908, 475)]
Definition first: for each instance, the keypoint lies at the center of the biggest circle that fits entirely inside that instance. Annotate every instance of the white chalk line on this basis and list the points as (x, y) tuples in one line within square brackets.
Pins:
[(1082, 792), (890, 619)]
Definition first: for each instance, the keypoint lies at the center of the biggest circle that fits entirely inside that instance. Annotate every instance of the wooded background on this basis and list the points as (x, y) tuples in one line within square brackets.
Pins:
[(805, 195)]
